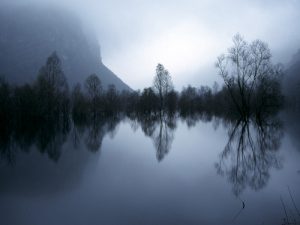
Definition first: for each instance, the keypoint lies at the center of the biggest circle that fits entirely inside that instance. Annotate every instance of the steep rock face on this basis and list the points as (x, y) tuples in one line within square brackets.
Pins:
[(29, 35)]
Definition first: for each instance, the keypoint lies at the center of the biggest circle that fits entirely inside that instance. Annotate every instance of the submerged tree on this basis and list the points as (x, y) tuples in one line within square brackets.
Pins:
[(162, 84), (244, 68)]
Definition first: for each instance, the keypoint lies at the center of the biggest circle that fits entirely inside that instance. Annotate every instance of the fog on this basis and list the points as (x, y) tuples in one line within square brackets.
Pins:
[(185, 36)]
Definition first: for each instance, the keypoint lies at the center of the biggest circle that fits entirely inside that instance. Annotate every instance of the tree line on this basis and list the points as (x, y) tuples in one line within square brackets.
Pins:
[(252, 86), (45, 112)]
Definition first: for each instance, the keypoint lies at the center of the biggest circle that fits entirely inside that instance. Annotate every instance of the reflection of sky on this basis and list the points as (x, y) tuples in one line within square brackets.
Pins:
[(185, 36), (125, 184), (291, 118)]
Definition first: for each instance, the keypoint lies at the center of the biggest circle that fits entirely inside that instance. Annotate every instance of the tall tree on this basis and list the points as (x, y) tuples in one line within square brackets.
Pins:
[(243, 68), (93, 87), (52, 88), (162, 84)]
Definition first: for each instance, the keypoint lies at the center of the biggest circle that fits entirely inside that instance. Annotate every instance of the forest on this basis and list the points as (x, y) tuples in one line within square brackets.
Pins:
[(252, 87)]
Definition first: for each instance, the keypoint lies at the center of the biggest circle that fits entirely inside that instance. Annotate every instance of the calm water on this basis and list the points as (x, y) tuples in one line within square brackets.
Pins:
[(196, 170)]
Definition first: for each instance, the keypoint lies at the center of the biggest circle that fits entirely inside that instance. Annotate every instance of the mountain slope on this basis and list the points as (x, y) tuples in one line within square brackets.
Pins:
[(29, 35)]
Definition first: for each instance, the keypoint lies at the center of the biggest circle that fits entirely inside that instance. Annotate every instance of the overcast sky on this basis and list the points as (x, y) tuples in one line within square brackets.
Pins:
[(185, 36)]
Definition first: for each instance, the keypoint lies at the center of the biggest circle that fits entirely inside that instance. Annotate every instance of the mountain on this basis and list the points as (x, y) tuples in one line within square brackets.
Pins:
[(28, 35)]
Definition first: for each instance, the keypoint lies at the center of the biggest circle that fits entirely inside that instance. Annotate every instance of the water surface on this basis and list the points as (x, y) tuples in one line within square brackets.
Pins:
[(193, 170)]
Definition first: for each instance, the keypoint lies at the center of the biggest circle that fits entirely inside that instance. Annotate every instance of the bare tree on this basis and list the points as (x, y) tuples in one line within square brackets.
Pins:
[(52, 87), (162, 84), (94, 90), (53, 74), (243, 68)]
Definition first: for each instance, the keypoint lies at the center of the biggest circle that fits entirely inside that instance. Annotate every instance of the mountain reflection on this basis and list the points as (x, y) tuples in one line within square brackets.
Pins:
[(251, 151)]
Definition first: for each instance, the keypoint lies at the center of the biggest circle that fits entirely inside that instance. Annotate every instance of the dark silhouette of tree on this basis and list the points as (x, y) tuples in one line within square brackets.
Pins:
[(243, 69), (188, 100), (5, 104), (172, 102), (52, 89), (268, 97), (149, 101), (25, 100), (7, 150), (162, 84), (130, 102), (79, 104), (94, 91), (112, 100), (205, 98)]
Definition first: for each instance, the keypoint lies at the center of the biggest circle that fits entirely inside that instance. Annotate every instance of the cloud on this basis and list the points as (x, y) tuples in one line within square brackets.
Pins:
[(186, 36)]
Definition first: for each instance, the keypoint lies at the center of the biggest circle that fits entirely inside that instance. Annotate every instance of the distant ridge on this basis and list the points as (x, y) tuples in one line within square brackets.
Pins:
[(30, 34)]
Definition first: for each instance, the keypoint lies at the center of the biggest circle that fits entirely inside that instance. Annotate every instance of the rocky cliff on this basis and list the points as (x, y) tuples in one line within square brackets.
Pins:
[(29, 35)]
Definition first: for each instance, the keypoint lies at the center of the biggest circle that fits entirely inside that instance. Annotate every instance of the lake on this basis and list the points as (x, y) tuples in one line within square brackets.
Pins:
[(196, 169)]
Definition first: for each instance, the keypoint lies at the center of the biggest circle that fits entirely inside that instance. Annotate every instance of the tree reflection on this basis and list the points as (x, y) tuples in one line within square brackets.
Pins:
[(97, 129), (160, 128), (251, 151), (49, 136), (191, 119), (94, 130), (95, 135), (164, 136), (7, 149)]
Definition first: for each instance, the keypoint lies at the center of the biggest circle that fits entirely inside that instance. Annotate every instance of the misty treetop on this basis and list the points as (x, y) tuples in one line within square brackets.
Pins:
[(162, 84), (52, 89), (252, 80)]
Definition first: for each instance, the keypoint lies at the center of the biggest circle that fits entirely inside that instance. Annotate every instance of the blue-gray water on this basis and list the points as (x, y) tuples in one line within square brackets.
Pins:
[(162, 172)]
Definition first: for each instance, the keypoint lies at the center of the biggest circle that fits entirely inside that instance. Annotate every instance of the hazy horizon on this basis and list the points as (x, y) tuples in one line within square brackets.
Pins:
[(185, 36), (80, 146)]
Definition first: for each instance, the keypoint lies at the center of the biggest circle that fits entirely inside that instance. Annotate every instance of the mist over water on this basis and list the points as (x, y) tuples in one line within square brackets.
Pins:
[(167, 170), (127, 112)]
